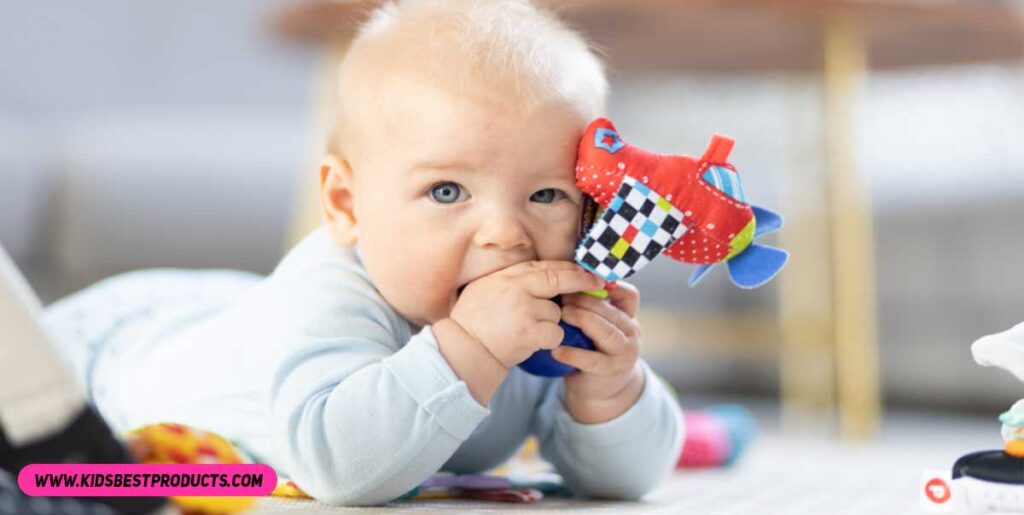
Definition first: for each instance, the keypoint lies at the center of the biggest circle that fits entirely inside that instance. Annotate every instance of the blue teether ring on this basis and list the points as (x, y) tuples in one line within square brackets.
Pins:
[(541, 363)]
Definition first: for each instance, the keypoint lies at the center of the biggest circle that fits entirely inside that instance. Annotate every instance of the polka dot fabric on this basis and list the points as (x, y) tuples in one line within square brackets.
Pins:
[(697, 247)]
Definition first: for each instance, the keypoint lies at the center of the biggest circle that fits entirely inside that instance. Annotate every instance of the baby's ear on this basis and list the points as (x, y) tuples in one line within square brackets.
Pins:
[(337, 199)]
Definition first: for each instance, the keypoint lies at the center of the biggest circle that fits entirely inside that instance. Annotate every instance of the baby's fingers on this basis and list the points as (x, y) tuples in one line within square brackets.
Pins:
[(605, 335), (589, 361), (609, 312), (548, 335), (626, 297), (545, 283)]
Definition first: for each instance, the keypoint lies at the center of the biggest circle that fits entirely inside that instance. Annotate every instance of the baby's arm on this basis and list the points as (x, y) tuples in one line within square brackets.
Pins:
[(623, 458), (470, 360), (357, 422)]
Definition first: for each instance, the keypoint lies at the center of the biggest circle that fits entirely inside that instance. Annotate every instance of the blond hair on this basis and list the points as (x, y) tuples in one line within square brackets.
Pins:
[(508, 45)]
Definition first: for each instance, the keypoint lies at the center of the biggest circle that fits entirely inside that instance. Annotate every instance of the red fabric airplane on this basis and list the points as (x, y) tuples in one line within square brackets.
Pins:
[(692, 210)]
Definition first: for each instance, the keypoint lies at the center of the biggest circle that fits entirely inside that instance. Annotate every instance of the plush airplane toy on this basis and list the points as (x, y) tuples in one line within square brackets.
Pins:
[(692, 210)]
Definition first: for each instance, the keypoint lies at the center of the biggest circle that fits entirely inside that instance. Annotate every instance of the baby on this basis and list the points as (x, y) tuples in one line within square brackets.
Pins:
[(383, 348)]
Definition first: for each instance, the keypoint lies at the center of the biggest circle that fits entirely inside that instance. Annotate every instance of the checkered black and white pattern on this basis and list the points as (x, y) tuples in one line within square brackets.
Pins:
[(637, 225)]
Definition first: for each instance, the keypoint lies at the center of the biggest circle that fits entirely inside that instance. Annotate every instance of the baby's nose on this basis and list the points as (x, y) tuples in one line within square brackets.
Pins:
[(503, 232)]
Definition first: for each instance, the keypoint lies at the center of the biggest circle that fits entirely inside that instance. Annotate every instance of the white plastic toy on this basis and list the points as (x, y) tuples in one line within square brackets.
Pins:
[(993, 481)]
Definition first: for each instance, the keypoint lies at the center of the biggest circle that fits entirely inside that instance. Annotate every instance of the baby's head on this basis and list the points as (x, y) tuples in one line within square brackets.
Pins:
[(453, 154)]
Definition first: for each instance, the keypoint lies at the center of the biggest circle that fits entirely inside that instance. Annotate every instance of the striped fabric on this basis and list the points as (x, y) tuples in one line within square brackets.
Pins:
[(725, 180)]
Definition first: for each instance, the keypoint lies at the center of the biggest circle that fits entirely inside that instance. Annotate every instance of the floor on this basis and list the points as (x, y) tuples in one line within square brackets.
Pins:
[(781, 474)]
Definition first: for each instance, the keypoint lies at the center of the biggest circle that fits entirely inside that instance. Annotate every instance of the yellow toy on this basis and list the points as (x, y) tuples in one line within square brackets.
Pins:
[(176, 443)]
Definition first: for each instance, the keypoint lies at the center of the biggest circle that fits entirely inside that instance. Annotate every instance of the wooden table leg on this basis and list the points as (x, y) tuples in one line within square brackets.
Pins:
[(852, 238)]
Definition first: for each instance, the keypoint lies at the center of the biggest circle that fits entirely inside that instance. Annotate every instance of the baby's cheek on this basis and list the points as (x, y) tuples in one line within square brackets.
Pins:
[(559, 244), (437, 304), (436, 286)]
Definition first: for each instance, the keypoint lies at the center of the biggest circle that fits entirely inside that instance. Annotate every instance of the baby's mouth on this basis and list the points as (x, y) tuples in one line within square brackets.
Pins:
[(458, 291)]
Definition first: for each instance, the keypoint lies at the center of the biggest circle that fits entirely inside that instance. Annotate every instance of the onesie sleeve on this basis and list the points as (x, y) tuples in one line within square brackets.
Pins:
[(623, 458), (358, 419)]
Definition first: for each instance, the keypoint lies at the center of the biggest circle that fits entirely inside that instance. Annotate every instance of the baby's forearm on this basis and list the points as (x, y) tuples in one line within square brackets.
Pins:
[(622, 458), (351, 427), (470, 360)]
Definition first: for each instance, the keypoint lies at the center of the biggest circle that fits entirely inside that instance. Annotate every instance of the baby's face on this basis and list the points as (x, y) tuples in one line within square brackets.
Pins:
[(451, 188)]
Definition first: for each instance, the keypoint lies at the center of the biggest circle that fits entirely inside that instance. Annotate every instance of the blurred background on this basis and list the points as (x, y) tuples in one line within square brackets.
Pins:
[(182, 134)]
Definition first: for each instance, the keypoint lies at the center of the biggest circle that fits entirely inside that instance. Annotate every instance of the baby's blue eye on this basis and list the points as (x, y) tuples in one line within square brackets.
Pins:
[(547, 196), (447, 193)]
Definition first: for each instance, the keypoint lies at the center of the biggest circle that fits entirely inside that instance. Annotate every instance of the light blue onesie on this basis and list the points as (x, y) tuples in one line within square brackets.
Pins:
[(311, 371)]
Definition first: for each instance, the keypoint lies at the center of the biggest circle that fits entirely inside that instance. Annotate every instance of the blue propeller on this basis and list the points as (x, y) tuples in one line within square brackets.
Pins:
[(757, 264)]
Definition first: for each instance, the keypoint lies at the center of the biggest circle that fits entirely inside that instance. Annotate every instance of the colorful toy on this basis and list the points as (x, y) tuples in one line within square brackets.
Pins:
[(692, 210), (716, 436), (1013, 430), (647, 204), (992, 481), (176, 443), (484, 487)]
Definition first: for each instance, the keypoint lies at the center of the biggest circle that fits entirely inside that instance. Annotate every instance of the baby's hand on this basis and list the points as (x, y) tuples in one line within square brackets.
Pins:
[(609, 379), (509, 312)]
